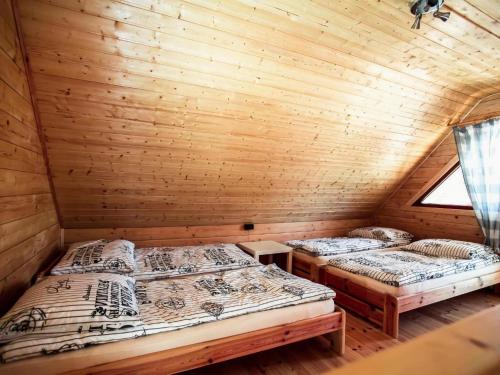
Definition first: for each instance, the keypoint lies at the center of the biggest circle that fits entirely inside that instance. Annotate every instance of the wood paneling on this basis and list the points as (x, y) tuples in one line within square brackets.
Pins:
[(427, 222), (199, 112), (29, 230), (487, 108), (194, 235)]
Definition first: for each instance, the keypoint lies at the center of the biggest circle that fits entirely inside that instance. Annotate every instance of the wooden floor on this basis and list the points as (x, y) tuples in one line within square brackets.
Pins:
[(362, 339)]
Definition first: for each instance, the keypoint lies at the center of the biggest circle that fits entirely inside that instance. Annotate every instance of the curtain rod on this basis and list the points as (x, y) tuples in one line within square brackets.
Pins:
[(463, 117)]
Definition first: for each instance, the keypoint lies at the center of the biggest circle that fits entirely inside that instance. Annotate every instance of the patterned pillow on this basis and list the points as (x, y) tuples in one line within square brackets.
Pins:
[(329, 246), (445, 248), (73, 311), (163, 262), (97, 256), (398, 237)]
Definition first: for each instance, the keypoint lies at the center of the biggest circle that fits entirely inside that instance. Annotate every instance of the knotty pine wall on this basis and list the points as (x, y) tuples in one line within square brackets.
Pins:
[(427, 222), (200, 112), (29, 230), (487, 108), (174, 122), (194, 235)]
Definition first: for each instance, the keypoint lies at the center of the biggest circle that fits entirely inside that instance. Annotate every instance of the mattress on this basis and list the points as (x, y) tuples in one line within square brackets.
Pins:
[(437, 273), (328, 246), (96, 355)]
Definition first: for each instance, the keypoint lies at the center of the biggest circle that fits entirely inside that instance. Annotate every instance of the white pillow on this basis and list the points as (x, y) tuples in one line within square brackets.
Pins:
[(91, 308), (399, 237), (97, 256), (445, 248)]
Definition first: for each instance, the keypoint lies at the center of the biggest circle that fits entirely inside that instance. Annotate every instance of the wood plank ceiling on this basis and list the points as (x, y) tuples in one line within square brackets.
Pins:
[(162, 113)]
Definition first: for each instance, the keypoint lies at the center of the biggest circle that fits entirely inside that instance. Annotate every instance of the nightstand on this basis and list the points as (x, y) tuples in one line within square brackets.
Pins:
[(258, 248)]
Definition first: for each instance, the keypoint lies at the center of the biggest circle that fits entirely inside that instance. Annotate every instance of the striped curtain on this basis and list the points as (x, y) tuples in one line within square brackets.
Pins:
[(479, 152)]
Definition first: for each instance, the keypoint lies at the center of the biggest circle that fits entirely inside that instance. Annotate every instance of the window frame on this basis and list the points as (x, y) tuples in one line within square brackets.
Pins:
[(434, 186)]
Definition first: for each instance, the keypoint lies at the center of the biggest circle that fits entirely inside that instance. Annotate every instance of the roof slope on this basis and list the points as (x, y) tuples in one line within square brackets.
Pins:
[(199, 112)]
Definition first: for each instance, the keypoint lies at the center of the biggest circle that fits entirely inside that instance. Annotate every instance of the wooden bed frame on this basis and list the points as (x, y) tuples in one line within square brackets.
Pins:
[(311, 270), (331, 326), (384, 309), (305, 269)]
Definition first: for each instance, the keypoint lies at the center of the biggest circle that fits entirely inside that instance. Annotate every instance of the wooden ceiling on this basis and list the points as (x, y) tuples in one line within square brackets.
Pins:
[(163, 113)]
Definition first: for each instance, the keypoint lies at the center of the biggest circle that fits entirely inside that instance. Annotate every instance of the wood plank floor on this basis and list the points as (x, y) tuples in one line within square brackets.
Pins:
[(362, 339)]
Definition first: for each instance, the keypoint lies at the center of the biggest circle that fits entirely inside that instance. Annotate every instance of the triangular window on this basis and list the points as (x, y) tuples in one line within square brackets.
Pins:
[(448, 192)]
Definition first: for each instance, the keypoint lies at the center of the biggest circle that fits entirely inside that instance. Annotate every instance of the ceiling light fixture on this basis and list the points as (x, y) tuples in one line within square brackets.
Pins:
[(420, 7)]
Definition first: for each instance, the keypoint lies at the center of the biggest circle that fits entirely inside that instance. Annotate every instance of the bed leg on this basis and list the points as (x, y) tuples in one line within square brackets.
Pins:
[(391, 316), (337, 338), (496, 289), (321, 276), (314, 271)]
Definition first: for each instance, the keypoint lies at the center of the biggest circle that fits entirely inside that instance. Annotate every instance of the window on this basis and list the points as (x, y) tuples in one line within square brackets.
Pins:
[(449, 192)]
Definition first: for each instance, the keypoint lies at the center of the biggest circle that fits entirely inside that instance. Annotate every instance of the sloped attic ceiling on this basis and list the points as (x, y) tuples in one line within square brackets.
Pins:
[(160, 113)]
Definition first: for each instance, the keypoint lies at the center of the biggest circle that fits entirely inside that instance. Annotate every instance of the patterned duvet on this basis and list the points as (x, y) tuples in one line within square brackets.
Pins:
[(172, 304), (156, 263), (87, 310), (398, 268), (338, 245)]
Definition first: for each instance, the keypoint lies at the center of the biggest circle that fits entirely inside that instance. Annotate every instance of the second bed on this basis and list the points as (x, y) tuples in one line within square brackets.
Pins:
[(381, 285), (311, 254)]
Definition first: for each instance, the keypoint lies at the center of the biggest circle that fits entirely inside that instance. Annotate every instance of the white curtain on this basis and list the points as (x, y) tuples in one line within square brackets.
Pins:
[(479, 152)]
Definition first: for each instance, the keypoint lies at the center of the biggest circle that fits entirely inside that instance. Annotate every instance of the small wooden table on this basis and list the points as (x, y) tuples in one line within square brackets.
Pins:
[(258, 248)]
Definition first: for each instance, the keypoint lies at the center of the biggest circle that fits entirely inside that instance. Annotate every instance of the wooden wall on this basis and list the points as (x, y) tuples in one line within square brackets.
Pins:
[(195, 235), (29, 231), (487, 108), (199, 112), (427, 222)]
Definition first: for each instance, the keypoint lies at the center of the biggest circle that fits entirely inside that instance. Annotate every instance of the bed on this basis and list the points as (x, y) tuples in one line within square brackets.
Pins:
[(174, 324), (222, 340), (381, 285), (311, 254)]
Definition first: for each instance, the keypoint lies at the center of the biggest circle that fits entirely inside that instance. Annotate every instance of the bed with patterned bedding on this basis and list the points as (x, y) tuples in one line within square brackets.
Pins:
[(171, 304), (383, 284), (75, 311), (330, 246), (399, 268), (156, 263)]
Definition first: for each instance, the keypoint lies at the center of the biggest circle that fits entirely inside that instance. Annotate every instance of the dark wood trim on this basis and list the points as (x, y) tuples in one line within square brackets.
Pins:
[(434, 186), (34, 105)]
